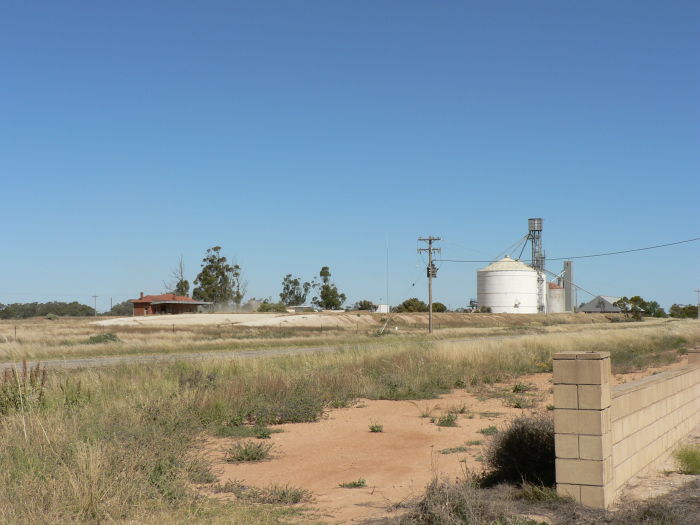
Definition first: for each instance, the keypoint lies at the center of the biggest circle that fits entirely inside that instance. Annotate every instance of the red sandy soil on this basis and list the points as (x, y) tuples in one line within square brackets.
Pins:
[(396, 463)]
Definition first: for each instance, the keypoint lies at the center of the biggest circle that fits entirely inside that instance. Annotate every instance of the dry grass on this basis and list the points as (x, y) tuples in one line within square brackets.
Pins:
[(117, 444), (40, 338), (460, 502)]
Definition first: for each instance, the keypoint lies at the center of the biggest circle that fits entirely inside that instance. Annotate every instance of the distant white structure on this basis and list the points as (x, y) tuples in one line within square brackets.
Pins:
[(382, 309), (508, 286), (556, 300), (601, 304), (301, 308)]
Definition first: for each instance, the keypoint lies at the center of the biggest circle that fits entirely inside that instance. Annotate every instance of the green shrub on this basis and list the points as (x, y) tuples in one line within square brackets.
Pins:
[(107, 337), (522, 452), (272, 307), (248, 451), (688, 459)]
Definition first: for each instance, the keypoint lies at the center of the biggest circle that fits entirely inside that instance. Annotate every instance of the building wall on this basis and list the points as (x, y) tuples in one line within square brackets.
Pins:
[(606, 435), (173, 308), (158, 309), (649, 417)]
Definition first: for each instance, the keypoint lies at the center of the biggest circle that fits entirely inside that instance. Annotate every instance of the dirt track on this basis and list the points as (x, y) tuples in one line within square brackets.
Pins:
[(91, 362)]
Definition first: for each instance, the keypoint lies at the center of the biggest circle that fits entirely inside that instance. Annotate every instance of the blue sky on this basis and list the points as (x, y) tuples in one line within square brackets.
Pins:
[(303, 134)]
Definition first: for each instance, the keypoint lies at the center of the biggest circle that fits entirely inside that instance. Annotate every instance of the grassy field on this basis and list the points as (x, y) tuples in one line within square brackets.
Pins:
[(120, 444), (40, 338)]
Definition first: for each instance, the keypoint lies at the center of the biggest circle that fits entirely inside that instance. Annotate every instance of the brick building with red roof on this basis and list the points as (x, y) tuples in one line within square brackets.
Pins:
[(167, 303)]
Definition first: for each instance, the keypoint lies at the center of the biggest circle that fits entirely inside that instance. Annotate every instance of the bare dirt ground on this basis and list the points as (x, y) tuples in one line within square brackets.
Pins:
[(347, 320), (396, 463)]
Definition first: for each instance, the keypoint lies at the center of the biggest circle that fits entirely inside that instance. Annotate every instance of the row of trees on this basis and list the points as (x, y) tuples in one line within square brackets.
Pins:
[(684, 311), (636, 307), (25, 310), (221, 282), (295, 292)]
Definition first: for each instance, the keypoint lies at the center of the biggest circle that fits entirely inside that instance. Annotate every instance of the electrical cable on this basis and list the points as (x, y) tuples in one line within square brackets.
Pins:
[(573, 284), (592, 255)]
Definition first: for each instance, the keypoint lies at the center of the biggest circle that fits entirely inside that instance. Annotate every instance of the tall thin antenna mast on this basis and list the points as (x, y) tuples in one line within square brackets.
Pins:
[(388, 303)]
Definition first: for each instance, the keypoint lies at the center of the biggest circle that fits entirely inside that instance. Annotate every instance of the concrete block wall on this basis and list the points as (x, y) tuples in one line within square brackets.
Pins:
[(604, 435)]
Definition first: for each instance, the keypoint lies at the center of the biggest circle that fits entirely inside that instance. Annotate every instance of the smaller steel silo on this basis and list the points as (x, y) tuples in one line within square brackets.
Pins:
[(556, 301)]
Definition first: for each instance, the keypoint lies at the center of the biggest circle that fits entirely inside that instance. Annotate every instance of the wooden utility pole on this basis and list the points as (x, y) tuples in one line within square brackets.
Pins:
[(431, 272)]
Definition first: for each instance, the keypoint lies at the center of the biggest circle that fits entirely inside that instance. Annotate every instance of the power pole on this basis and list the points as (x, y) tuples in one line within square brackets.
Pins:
[(431, 272), (698, 303), (95, 298)]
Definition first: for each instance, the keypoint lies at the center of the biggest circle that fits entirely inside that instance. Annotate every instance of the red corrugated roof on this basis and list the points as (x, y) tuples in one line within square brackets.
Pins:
[(164, 297)]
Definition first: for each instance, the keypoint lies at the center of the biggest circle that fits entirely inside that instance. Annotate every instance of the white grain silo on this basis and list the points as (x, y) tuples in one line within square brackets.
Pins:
[(556, 301), (507, 286)]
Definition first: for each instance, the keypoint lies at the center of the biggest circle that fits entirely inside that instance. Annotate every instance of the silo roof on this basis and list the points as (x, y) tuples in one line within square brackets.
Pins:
[(507, 264)]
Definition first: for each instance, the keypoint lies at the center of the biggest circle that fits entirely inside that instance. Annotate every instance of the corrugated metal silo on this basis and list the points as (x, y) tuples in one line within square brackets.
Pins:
[(556, 302), (507, 286)]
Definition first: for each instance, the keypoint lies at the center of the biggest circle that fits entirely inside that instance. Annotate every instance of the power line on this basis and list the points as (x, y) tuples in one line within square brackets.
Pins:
[(592, 255)]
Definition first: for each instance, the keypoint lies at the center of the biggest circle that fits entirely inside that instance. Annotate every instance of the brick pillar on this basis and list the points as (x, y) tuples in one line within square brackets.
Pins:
[(694, 356), (582, 427)]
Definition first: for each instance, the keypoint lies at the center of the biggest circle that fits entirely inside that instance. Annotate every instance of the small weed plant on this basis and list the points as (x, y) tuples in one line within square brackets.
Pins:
[(521, 388), (272, 494), (688, 459), (358, 483), (534, 493), (425, 410), (454, 450), (488, 431), (446, 420), (519, 401), (248, 451), (458, 409), (375, 427)]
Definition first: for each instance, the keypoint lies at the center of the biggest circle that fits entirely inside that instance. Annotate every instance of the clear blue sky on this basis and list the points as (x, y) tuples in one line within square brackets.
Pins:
[(302, 134)]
